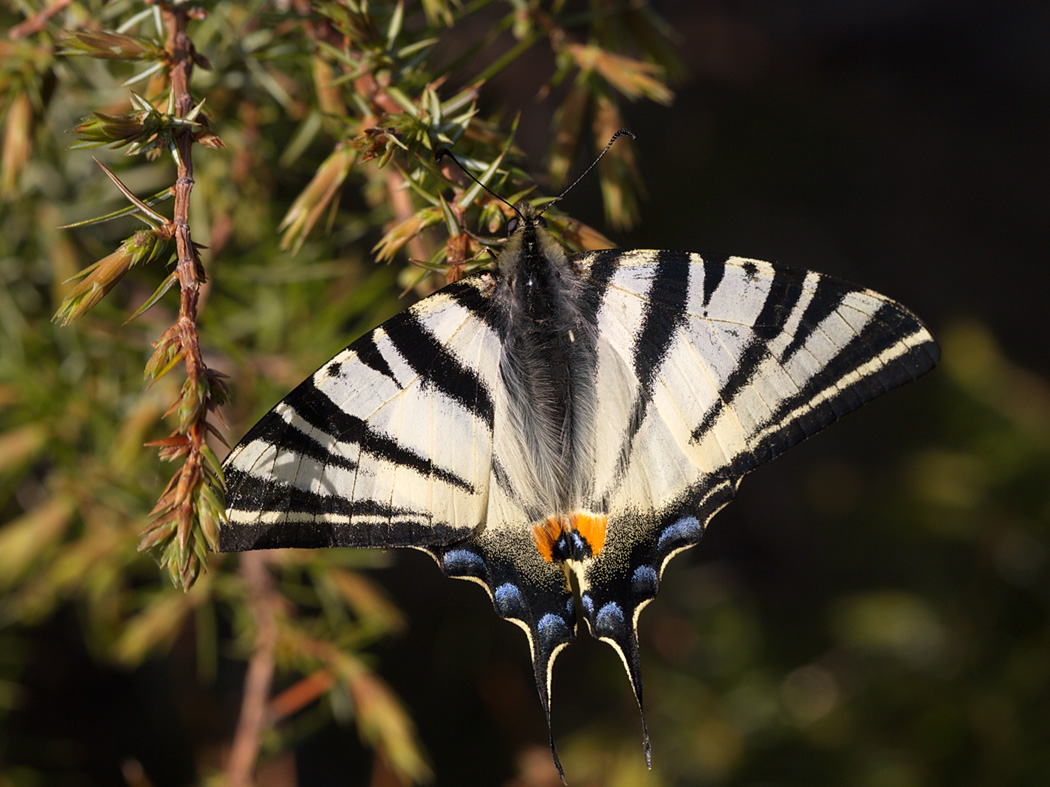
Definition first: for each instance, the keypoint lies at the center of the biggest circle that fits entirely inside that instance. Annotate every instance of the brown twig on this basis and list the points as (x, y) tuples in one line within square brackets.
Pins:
[(259, 678), (300, 694), (38, 21), (240, 768), (197, 396), (186, 268)]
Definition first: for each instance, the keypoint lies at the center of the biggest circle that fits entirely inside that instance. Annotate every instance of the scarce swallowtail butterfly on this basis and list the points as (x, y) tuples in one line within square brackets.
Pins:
[(565, 414)]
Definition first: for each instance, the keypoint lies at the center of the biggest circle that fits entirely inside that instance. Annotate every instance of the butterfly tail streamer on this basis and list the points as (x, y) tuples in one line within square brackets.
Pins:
[(544, 610), (541, 670), (547, 635), (623, 638)]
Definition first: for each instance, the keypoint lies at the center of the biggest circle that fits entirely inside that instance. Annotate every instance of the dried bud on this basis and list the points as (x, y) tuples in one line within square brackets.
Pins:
[(157, 532), (102, 276), (458, 249), (402, 232), (166, 353), (192, 403), (316, 197), (211, 512), (377, 143)]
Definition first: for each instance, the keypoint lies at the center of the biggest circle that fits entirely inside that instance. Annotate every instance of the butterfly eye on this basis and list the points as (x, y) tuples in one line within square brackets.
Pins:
[(541, 221), (512, 225)]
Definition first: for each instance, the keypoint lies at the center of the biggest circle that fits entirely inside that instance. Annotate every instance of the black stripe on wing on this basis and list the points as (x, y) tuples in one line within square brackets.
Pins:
[(438, 367), (784, 293), (327, 417), (830, 394), (713, 274), (664, 313), (473, 293), (368, 354), (598, 269), (275, 430), (311, 521), (826, 299)]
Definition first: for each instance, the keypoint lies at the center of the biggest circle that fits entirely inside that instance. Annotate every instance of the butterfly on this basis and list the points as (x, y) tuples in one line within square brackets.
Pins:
[(565, 414)]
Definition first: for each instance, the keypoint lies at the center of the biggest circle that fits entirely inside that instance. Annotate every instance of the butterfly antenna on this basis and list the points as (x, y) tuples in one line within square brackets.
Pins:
[(621, 133), (440, 153)]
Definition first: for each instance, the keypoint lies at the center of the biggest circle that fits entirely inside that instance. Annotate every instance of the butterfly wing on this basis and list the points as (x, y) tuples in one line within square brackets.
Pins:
[(387, 444), (706, 370), (390, 444)]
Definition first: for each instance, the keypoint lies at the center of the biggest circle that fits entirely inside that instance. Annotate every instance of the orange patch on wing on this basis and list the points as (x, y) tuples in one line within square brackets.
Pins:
[(545, 536), (592, 528)]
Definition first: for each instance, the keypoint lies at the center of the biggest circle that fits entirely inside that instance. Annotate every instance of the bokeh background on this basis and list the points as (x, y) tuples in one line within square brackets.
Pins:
[(871, 610)]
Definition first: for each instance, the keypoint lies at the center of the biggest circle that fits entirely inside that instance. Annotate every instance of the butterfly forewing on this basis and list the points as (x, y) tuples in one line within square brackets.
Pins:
[(719, 366), (387, 444)]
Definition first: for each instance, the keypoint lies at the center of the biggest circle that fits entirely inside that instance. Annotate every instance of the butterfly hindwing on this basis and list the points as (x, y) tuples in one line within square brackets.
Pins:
[(525, 590), (719, 367)]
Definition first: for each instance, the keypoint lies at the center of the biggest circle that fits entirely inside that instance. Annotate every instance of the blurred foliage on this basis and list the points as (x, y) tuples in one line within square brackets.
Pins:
[(922, 658)]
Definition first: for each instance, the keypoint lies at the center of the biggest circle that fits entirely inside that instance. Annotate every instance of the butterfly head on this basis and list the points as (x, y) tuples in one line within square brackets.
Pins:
[(530, 247), (524, 213), (527, 236)]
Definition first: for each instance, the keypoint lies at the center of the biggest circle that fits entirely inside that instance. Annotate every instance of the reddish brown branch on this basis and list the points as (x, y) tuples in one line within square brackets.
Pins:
[(196, 396), (181, 59), (38, 21), (240, 768), (300, 694)]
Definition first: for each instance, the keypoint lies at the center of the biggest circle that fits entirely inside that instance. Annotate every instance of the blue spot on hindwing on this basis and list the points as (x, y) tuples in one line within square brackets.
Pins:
[(463, 562), (552, 628), (509, 602), (685, 532), (644, 582), (609, 619), (570, 608), (588, 605)]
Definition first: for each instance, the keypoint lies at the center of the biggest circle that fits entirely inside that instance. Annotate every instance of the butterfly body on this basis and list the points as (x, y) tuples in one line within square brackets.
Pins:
[(536, 302), (585, 414)]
